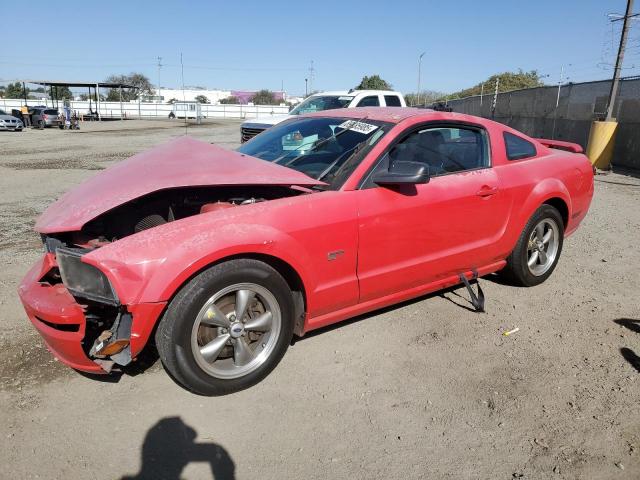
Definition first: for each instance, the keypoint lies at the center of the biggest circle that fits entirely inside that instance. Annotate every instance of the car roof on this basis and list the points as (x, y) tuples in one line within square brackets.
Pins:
[(395, 114), (353, 93)]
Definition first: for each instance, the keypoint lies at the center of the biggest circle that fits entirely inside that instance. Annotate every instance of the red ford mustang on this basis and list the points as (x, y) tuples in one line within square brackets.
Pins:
[(223, 256)]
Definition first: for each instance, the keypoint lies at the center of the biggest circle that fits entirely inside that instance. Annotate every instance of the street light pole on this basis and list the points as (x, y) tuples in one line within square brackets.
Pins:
[(419, 73), (306, 89), (555, 113)]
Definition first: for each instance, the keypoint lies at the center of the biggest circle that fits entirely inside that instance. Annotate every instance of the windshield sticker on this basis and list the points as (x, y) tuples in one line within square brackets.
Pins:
[(360, 127), (345, 98)]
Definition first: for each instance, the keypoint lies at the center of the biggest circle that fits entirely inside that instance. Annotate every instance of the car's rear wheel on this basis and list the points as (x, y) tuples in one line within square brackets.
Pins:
[(227, 328), (538, 249)]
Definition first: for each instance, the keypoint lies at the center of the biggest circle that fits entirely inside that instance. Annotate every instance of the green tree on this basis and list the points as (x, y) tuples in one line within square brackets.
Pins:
[(141, 82), (231, 100), (202, 99), (508, 81), (264, 97), (374, 82), (61, 93), (14, 90), (172, 101)]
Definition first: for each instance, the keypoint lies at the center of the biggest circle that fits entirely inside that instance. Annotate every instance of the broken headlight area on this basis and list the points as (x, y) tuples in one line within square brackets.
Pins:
[(84, 280), (108, 324), (107, 336)]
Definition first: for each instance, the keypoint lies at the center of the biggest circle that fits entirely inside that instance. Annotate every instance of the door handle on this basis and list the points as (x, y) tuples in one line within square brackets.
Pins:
[(487, 191)]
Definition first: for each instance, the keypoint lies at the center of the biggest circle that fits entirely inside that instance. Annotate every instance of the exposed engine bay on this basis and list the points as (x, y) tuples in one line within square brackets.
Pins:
[(166, 206), (108, 323)]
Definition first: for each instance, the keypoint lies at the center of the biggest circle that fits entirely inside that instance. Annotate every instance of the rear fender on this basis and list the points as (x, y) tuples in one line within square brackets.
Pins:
[(544, 191)]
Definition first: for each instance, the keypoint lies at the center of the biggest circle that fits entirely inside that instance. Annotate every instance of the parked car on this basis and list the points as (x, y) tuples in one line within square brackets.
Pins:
[(8, 122), (320, 102), (43, 117), (222, 256)]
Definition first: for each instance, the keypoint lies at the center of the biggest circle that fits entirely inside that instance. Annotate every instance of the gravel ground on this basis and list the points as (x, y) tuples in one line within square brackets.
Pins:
[(426, 389)]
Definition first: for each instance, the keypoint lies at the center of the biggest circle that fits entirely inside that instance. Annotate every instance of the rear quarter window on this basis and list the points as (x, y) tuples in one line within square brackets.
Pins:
[(392, 101), (517, 147)]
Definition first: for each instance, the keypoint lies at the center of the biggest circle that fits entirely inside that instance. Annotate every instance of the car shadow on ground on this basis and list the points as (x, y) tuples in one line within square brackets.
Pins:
[(628, 354), (170, 446), (455, 294)]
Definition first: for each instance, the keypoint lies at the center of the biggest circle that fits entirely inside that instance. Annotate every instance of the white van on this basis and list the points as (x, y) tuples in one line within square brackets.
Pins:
[(186, 110)]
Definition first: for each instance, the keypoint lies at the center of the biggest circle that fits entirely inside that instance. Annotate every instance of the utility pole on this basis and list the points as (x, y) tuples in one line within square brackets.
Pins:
[(306, 87), (616, 72), (419, 72), (495, 98), (481, 94), (159, 67)]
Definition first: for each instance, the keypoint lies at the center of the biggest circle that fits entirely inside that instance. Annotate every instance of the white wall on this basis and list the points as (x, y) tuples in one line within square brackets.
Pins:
[(214, 96), (153, 110)]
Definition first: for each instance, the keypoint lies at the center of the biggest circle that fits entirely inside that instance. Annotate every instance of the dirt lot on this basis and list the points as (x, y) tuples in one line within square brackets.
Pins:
[(424, 390)]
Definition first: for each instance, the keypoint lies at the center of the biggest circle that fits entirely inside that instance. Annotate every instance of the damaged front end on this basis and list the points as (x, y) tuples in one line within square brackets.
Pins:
[(84, 296), (75, 309), (109, 331)]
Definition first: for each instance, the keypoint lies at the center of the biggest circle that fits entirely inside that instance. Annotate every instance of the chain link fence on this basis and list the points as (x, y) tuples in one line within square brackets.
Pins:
[(533, 111)]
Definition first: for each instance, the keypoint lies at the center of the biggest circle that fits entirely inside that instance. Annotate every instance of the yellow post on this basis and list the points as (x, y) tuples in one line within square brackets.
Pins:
[(601, 142)]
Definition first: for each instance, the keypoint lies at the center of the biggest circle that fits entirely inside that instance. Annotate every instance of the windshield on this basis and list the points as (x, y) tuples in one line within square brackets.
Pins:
[(320, 103), (326, 149), (2, 112)]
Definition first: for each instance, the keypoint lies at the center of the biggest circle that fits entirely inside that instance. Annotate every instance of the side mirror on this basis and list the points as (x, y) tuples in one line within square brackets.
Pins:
[(403, 172)]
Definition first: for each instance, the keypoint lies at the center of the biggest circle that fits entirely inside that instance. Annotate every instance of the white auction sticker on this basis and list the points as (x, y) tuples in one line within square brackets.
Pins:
[(359, 127)]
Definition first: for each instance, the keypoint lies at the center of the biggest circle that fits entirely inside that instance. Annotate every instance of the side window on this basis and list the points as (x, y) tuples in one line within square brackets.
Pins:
[(445, 149), (370, 101), (517, 147), (392, 101)]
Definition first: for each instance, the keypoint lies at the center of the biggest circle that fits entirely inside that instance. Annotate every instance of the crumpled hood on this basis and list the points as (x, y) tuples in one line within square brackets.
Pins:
[(183, 162)]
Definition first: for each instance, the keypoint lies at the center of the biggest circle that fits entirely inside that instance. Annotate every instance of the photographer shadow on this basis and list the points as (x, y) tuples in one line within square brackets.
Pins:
[(169, 447), (628, 354)]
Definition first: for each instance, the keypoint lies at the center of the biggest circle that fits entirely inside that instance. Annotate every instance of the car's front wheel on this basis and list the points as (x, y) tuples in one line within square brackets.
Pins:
[(538, 249), (227, 328)]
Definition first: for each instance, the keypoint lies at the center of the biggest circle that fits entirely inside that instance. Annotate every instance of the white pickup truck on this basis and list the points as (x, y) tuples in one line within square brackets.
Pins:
[(325, 101)]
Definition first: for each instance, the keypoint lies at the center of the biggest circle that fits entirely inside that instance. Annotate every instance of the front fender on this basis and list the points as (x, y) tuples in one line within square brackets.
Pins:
[(152, 265)]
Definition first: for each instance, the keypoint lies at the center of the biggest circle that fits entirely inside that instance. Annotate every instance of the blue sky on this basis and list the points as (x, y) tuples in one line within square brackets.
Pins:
[(260, 44)]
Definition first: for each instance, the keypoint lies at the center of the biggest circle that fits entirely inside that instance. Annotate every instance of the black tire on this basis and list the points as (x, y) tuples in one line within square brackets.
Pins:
[(517, 270), (174, 332)]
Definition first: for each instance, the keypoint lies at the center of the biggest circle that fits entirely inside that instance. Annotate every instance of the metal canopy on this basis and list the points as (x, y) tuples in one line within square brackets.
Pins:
[(95, 85)]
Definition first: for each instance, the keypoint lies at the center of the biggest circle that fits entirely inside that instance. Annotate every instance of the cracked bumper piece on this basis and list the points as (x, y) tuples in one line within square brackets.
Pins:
[(61, 320)]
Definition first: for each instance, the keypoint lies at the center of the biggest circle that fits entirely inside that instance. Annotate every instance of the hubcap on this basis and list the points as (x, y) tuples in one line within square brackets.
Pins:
[(542, 248), (236, 330)]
